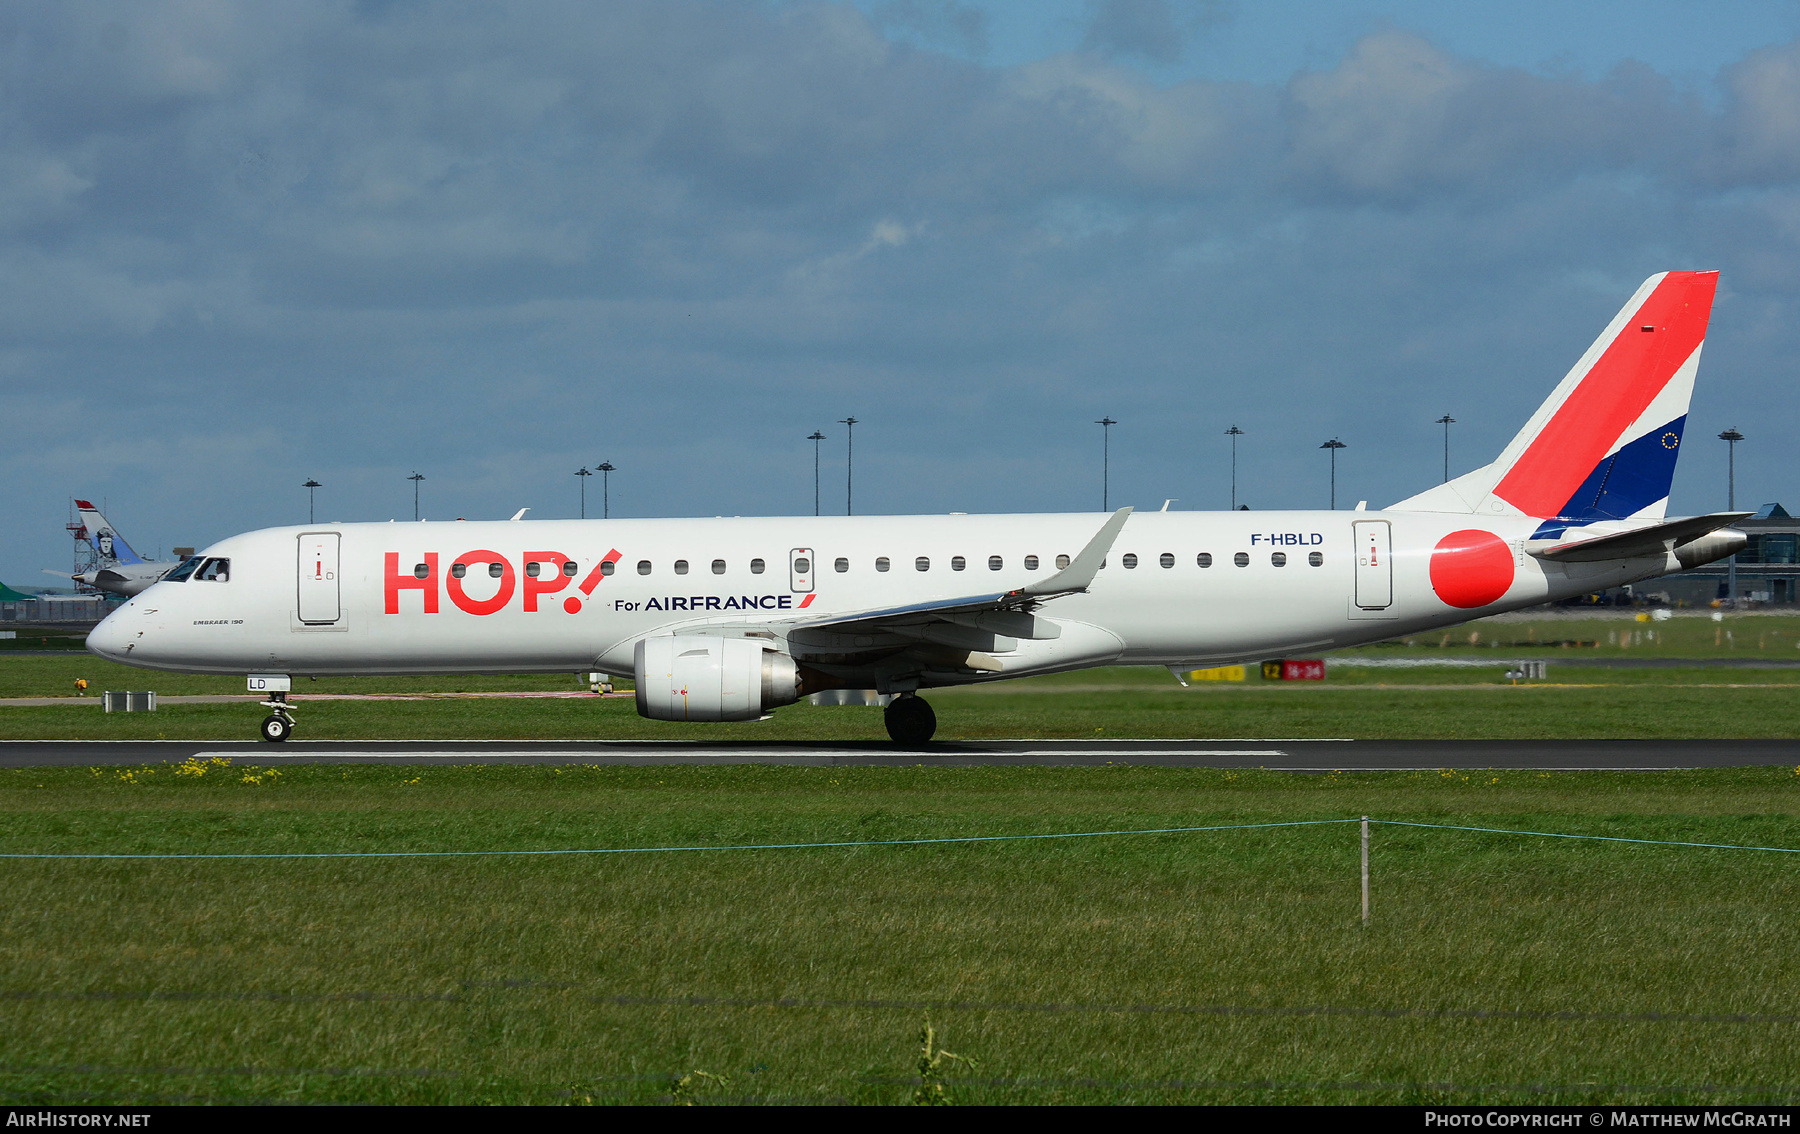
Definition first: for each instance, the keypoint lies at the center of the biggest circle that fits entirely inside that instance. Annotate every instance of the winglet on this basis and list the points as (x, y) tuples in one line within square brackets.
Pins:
[(1082, 569)]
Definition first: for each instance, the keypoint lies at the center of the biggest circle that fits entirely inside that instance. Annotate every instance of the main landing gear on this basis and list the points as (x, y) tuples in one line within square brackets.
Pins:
[(278, 724), (909, 719)]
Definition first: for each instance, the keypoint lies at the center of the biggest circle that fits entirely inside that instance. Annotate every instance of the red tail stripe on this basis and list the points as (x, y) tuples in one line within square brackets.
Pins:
[(1624, 380), (593, 580)]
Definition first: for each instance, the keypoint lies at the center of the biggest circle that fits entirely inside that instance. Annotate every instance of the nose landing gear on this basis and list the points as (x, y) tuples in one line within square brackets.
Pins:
[(277, 726), (909, 719)]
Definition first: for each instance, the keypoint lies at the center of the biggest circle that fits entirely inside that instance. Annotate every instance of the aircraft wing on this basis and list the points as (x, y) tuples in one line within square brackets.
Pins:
[(958, 631), (1008, 609), (1656, 539)]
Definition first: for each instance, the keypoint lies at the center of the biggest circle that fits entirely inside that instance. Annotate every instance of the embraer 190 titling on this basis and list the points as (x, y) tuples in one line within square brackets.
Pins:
[(726, 619)]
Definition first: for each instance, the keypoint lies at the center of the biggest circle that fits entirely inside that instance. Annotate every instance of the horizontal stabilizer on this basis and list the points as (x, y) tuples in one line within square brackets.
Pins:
[(1657, 539)]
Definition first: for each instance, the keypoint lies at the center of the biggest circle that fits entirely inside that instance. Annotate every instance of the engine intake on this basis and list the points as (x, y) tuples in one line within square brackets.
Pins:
[(695, 677)]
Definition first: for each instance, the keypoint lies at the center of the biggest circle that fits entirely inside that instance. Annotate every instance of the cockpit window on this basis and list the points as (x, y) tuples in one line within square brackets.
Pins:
[(182, 570), (215, 571)]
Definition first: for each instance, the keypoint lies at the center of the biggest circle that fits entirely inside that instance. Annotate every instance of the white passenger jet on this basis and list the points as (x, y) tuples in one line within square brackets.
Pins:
[(121, 570), (727, 619)]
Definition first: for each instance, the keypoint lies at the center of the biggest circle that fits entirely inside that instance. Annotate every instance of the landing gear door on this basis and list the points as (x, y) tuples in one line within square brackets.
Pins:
[(318, 579), (800, 570), (1374, 565)]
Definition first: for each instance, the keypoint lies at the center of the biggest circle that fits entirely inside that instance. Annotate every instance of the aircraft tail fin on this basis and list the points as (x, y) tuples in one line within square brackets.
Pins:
[(1603, 445), (107, 542)]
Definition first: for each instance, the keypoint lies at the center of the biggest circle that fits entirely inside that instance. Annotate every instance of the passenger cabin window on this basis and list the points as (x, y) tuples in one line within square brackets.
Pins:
[(957, 563), (1317, 559), (568, 568), (681, 566), (496, 570), (457, 570), (1130, 561), (840, 565), (1242, 559), (1204, 559), (802, 565), (718, 566), (607, 567), (215, 571), (643, 566), (1031, 563), (420, 571), (534, 569), (882, 564), (1167, 559), (922, 563), (1278, 558), (995, 563), (756, 566), (187, 567), (1062, 561)]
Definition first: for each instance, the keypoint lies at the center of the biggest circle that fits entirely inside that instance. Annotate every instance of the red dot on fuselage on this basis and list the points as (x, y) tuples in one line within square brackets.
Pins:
[(572, 605), (1471, 568)]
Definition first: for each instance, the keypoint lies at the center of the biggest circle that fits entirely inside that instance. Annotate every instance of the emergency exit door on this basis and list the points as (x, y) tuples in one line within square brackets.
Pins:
[(319, 605), (1374, 565), (800, 570)]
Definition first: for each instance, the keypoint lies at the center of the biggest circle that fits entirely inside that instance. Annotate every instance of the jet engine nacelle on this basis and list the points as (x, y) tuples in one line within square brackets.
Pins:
[(1711, 547), (702, 678)]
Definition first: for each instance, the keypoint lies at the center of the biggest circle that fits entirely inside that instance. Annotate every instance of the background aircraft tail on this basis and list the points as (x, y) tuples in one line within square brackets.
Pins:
[(1603, 446), (110, 545)]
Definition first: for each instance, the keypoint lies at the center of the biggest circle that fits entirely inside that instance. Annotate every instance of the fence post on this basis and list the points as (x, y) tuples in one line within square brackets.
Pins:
[(1365, 871)]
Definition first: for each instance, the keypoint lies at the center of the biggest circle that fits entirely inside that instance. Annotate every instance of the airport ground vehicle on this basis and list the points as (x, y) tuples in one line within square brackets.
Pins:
[(727, 619)]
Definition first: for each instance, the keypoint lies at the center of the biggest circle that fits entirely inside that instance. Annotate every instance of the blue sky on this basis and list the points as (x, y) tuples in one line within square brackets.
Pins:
[(246, 244)]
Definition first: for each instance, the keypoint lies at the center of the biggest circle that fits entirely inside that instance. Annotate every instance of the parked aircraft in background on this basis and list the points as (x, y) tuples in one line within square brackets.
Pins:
[(726, 619), (121, 571)]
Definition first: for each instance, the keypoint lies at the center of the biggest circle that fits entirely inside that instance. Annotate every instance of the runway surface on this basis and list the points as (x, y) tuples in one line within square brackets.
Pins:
[(1289, 755)]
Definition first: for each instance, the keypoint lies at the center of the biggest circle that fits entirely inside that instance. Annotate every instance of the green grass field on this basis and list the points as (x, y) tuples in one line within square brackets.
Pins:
[(1219, 967)]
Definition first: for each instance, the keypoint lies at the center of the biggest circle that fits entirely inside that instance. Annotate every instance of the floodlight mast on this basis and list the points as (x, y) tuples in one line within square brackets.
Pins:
[(1234, 433), (815, 439), (310, 486), (1106, 424), (1446, 421), (1731, 437), (849, 424), (584, 472), (1334, 445), (605, 469), (416, 477)]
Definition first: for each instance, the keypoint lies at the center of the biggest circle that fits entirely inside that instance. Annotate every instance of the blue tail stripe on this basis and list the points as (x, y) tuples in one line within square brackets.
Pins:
[(1625, 483)]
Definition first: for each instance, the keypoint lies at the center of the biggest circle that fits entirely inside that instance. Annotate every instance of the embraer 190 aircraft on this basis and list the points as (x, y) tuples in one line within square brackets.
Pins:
[(726, 619)]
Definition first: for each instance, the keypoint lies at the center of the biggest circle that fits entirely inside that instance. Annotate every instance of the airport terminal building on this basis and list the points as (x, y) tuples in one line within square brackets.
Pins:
[(1767, 568)]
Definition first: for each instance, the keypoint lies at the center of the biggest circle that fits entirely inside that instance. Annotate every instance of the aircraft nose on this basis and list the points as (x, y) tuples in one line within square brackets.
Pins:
[(109, 638)]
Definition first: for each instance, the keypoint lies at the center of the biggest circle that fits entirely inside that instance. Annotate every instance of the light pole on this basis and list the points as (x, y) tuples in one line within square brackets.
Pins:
[(1731, 437), (1446, 421), (849, 424), (584, 473), (605, 468), (1334, 445), (309, 486), (1106, 424), (1234, 433), (815, 439), (416, 477)]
